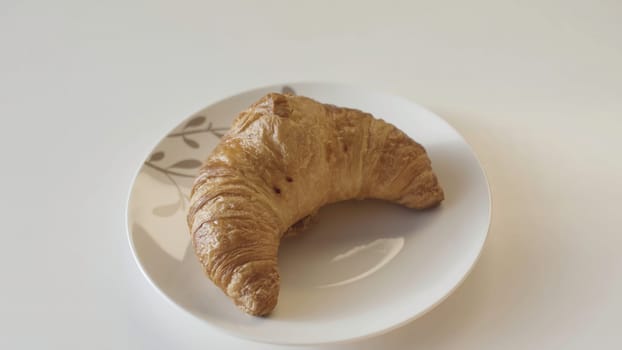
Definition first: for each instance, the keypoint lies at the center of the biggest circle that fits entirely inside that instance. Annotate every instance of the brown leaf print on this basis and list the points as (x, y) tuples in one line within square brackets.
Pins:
[(187, 164), (196, 121), (191, 143), (156, 156)]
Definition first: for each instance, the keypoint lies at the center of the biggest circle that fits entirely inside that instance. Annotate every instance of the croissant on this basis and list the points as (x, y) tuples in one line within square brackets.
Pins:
[(283, 158)]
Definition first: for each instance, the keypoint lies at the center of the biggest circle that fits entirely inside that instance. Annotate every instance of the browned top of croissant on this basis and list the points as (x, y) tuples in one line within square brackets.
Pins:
[(283, 158)]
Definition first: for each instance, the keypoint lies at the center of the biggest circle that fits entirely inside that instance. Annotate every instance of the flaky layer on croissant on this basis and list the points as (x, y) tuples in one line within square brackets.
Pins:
[(283, 158)]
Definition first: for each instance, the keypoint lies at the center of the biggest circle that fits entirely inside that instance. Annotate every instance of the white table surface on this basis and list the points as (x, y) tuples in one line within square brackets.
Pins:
[(88, 87)]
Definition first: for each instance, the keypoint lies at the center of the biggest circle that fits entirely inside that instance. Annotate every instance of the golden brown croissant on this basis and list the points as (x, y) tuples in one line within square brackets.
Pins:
[(282, 159)]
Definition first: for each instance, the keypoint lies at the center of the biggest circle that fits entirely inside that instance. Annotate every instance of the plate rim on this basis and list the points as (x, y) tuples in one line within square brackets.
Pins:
[(335, 340)]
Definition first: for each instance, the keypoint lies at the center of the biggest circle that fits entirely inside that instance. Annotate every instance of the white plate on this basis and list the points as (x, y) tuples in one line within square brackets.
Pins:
[(366, 267)]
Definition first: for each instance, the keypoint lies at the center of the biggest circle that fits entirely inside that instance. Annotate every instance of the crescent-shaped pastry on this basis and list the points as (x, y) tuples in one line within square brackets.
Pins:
[(284, 158)]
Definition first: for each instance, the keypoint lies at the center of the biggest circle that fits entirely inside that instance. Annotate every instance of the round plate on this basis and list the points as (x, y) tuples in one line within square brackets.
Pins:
[(364, 268)]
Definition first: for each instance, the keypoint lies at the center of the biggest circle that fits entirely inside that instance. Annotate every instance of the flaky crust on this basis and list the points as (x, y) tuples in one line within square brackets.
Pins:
[(284, 158)]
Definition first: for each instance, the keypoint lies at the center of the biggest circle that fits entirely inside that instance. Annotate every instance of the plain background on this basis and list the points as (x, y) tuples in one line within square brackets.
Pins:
[(88, 87)]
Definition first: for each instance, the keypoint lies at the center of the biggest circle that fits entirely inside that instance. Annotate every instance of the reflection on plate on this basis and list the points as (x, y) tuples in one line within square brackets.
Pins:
[(364, 268)]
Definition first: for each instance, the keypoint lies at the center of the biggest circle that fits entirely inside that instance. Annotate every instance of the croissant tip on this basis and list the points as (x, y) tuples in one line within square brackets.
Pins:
[(254, 287), (261, 301)]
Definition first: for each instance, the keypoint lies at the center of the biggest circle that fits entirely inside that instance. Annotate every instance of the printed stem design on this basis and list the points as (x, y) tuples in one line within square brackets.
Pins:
[(192, 127)]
